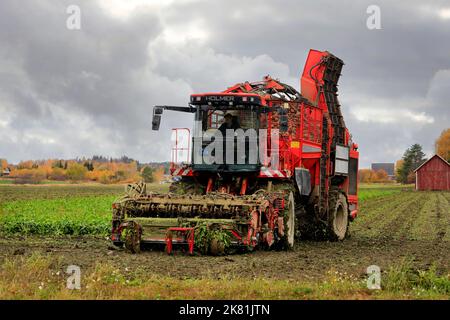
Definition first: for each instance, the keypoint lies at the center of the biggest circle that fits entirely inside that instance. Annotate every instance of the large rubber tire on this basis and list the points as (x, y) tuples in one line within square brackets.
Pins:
[(290, 223), (337, 216), (287, 241), (216, 247)]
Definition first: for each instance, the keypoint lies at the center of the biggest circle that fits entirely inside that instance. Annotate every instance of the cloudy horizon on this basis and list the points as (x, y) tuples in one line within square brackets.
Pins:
[(78, 93)]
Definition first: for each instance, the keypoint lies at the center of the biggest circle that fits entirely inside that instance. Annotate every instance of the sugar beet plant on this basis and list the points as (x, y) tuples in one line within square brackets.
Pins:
[(207, 235), (64, 216)]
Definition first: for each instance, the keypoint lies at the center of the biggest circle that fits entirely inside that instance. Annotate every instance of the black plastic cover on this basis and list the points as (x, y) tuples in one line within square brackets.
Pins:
[(303, 180)]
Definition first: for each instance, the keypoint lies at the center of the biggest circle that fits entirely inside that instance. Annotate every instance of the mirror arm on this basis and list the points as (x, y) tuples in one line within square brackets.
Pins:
[(158, 111), (190, 109)]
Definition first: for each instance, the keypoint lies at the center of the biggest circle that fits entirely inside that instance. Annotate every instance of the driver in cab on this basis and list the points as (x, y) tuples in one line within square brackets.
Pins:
[(231, 122)]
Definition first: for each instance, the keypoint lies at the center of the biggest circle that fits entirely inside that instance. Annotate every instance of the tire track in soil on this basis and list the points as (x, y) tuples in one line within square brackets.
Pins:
[(404, 218), (368, 209), (408, 224), (439, 221), (446, 212), (381, 212), (437, 248)]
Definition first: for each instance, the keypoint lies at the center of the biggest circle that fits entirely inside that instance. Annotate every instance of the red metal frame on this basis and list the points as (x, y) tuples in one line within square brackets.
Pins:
[(188, 236)]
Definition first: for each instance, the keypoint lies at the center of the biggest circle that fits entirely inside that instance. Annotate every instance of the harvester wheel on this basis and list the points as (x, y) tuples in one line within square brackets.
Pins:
[(216, 247), (288, 239), (290, 223), (338, 216), (133, 237)]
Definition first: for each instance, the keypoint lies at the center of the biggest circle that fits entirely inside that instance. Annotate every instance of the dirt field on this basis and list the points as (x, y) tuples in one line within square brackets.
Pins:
[(391, 228)]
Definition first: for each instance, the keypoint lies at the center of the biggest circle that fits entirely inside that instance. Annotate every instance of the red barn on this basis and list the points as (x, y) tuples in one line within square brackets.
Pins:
[(433, 174)]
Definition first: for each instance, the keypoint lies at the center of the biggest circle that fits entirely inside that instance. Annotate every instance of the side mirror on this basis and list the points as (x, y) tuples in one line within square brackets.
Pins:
[(283, 120), (156, 121)]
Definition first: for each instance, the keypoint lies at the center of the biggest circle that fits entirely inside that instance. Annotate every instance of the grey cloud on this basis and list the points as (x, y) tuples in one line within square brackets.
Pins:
[(69, 93)]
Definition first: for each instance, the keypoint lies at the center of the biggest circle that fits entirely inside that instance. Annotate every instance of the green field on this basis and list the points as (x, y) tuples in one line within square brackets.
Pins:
[(70, 216), (59, 210), (368, 191)]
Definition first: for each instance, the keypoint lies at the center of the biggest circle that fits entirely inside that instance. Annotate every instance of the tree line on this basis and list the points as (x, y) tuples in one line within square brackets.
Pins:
[(96, 169)]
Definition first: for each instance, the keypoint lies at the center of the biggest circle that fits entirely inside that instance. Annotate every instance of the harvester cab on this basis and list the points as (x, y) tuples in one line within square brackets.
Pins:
[(226, 131), (267, 165)]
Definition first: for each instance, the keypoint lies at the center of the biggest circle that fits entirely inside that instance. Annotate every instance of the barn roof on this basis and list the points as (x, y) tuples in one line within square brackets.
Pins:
[(436, 155)]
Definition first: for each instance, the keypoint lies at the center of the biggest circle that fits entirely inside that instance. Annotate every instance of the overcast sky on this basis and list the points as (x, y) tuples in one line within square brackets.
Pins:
[(67, 93)]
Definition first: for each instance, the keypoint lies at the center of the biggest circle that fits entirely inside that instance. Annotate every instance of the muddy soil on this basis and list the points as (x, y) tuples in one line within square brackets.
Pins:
[(309, 260), (385, 236)]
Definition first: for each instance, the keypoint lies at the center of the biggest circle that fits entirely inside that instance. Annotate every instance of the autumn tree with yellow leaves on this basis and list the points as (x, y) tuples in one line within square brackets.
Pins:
[(3, 164), (442, 145), (109, 171)]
